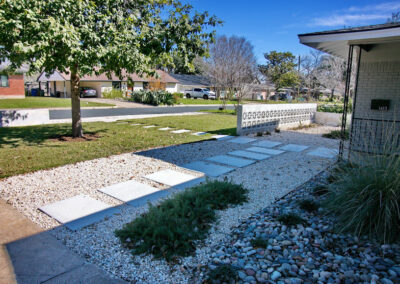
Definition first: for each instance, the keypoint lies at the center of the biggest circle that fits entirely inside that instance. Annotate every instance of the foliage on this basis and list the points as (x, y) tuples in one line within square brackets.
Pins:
[(280, 69), (334, 107), (259, 242), (309, 205), (336, 134), (225, 273), (365, 197), (172, 228), (113, 94), (31, 148), (96, 37), (320, 190), (153, 97), (291, 219), (44, 102)]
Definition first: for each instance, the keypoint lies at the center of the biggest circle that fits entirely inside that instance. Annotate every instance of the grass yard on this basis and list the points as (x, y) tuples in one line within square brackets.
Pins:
[(217, 111), (185, 101), (44, 102), (31, 148)]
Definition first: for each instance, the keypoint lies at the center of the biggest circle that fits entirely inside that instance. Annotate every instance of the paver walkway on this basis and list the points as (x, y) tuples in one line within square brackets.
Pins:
[(30, 255)]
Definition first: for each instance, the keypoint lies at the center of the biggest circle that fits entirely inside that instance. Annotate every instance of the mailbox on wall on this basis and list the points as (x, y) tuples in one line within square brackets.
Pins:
[(380, 104)]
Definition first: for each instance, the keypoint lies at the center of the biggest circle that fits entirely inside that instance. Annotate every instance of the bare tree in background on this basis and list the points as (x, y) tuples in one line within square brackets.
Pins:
[(395, 18), (310, 65), (231, 66), (331, 74)]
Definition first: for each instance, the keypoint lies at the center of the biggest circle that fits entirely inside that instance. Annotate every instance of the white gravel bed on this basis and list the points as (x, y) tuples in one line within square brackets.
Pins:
[(30, 191), (267, 180)]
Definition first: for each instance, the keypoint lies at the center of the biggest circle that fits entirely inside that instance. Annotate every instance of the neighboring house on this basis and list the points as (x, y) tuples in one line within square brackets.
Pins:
[(376, 105), (11, 82), (59, 84), (187, 82)]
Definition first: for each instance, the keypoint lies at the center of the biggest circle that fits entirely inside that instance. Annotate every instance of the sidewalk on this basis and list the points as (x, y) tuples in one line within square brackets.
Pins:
[(30, 255)]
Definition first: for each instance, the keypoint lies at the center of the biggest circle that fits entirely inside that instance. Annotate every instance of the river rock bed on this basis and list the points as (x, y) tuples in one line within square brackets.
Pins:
[(309, 253)]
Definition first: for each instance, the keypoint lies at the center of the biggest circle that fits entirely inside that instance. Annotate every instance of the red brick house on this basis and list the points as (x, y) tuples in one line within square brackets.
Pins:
[(11, 83)]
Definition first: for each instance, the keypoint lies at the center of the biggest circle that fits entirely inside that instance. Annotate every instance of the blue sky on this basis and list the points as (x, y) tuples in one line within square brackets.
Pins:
[(274, 25)]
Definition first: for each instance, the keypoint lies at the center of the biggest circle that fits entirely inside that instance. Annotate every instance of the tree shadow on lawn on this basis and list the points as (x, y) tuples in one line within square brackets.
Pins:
[(36, 135)]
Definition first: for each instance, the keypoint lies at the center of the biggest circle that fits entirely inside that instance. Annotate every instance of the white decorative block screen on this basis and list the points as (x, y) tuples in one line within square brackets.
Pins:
[(267, 117)]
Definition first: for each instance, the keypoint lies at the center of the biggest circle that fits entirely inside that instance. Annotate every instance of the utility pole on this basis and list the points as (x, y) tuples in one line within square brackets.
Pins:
[(298, 70)]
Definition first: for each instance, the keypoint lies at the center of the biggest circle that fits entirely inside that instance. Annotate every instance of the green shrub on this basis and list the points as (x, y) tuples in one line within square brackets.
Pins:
[(173, 227), (336, 134), (365, 198), (259, 243), (113, 94), (223, 274), (320, 190), (309, 205), (153, 97), (291, 219), (334, 107)]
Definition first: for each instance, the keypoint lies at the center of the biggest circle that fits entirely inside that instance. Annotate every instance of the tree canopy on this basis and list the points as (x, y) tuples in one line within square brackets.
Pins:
[(83, 37), (280, 69)]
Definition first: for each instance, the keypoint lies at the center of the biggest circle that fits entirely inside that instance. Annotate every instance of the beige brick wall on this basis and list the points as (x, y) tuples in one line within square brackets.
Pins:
[(379, 78)]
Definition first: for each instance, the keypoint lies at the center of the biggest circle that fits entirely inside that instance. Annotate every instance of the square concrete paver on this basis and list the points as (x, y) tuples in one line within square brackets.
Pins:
[(242, 140), (180, 131), (170, 177), (294, 148), (129, 190), (208, 169), (266, 151), (267, 144), (165, 128), (249, 155), (190, 183), (199, 133), (222, 137), (78, 211), (149, 126), (231, 161), (136, 124), (324, 152)]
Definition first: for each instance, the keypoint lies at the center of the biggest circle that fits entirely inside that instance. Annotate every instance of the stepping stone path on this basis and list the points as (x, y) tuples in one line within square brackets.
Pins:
[(242, 140), (265, 151), (149, 126), (78, 211), (231, 161), (136, 124), (180, 131), (208, 169), (324, 152), (267, 144), (199, 133), (222, 137), (250, 155), (294, 148), (129, 190), (164, 129), (170, 177)]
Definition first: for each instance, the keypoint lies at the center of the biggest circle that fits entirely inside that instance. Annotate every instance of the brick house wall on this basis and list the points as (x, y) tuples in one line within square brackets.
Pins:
[(16, 87), (375, 131)]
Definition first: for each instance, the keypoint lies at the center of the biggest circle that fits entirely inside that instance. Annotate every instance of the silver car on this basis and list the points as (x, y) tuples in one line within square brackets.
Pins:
[(87, 92)]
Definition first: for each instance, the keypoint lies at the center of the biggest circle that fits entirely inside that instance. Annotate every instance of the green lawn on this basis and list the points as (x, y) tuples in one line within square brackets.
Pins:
[(43, 102), (201, 102), (217, 111), (31, 148)]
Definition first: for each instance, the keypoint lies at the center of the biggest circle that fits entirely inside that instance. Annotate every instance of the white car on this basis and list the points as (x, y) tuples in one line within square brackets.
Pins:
[(203, 93)]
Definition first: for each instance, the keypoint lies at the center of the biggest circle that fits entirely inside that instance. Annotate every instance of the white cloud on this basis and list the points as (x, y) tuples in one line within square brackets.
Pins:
[(358, 15)]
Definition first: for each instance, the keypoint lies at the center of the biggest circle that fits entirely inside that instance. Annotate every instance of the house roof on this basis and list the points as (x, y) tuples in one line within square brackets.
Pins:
[(192, 80), (337, 42), (60, 76), (5, 66)]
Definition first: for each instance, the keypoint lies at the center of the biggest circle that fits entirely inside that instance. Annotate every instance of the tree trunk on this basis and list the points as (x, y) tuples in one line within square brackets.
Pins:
[(76, 105)]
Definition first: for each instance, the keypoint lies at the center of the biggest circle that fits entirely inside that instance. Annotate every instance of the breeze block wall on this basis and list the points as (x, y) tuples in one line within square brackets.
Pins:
[(377, 131), (253, 118), (15, 89)]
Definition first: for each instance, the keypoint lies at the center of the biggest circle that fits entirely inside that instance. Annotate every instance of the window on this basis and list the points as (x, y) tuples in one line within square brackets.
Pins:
[(197, 90), (116, 85), (4, 81)]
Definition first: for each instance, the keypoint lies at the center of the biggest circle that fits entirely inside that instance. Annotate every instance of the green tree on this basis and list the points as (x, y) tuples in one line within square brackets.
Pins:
[(280, 69), (85, 37)]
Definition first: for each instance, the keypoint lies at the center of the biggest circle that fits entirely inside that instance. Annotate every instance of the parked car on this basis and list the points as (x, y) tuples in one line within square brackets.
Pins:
[(282, 97), (87, 92), (203, 93)]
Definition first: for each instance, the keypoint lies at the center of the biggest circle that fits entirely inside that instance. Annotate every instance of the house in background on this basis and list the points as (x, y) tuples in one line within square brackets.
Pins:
[(12, 82), (375, 123), (187, 82), (59, 84)]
